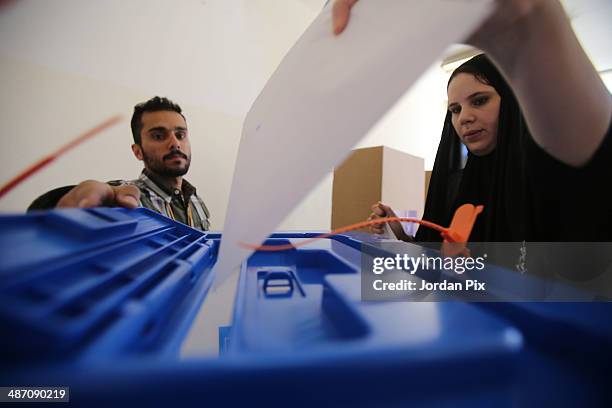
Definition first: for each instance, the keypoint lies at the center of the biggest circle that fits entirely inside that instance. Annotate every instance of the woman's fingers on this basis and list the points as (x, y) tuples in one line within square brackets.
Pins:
[(341, 13)]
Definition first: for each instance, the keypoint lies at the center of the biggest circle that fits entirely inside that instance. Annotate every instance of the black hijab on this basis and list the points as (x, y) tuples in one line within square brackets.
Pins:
[(496, 180)]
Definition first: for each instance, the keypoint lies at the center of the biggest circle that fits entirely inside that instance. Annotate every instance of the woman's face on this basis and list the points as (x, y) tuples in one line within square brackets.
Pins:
[(474, 108)]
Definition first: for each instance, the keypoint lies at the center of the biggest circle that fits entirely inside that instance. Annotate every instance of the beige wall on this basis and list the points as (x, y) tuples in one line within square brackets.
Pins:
[(42, 109)]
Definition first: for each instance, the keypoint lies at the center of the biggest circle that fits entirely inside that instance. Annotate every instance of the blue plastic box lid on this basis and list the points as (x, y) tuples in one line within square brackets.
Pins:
[(82, 284), (96, 286)]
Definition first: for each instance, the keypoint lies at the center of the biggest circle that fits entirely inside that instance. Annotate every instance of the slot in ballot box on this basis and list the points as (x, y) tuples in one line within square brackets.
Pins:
[(102, 300)]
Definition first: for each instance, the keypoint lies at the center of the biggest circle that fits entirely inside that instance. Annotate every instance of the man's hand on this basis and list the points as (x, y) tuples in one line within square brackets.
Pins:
[(93, 193)]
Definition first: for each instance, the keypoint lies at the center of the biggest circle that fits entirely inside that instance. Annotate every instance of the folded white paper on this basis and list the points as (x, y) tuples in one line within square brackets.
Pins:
[(323, 98)]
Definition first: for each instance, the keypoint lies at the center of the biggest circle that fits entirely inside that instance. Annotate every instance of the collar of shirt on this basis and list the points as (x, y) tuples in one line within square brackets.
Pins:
[(154, 182)]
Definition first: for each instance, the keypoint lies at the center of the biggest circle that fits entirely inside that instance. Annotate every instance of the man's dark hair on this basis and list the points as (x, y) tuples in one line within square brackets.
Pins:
[(154, 104)]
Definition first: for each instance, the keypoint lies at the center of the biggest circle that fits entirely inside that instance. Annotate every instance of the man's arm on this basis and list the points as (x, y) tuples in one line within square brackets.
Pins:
[(93, 193), (50, 199)]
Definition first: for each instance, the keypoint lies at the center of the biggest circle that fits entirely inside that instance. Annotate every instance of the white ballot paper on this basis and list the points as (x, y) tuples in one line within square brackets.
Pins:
[(323, 98)]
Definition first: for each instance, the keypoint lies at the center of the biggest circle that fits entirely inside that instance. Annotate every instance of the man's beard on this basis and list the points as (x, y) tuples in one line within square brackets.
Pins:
[(159, 167)]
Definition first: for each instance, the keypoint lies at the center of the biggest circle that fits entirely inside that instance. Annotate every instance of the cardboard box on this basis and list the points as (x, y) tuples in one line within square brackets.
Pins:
[(377, 174)]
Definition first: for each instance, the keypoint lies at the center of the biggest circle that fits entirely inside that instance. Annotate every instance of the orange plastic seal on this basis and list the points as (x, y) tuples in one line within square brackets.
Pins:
[(454, 237)]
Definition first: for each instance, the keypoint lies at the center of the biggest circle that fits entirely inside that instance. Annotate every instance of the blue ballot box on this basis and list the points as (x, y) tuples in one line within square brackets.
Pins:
[(101, 300)]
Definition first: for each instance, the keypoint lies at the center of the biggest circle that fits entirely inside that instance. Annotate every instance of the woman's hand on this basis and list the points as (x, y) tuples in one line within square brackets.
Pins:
[(341, 14), (380, 210)]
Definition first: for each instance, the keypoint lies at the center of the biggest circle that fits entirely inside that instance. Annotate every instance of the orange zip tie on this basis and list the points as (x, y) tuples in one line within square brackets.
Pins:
[(27, 173), (458, 232)]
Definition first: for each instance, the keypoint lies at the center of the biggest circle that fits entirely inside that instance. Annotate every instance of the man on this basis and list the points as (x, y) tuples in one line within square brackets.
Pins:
[(161, 142)]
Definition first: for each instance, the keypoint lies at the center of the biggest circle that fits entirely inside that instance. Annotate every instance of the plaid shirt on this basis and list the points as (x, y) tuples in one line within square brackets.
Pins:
[(184, 206)]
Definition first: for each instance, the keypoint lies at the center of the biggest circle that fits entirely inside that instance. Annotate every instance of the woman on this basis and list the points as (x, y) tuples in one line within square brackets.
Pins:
[(527, 194), (484, 115)]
